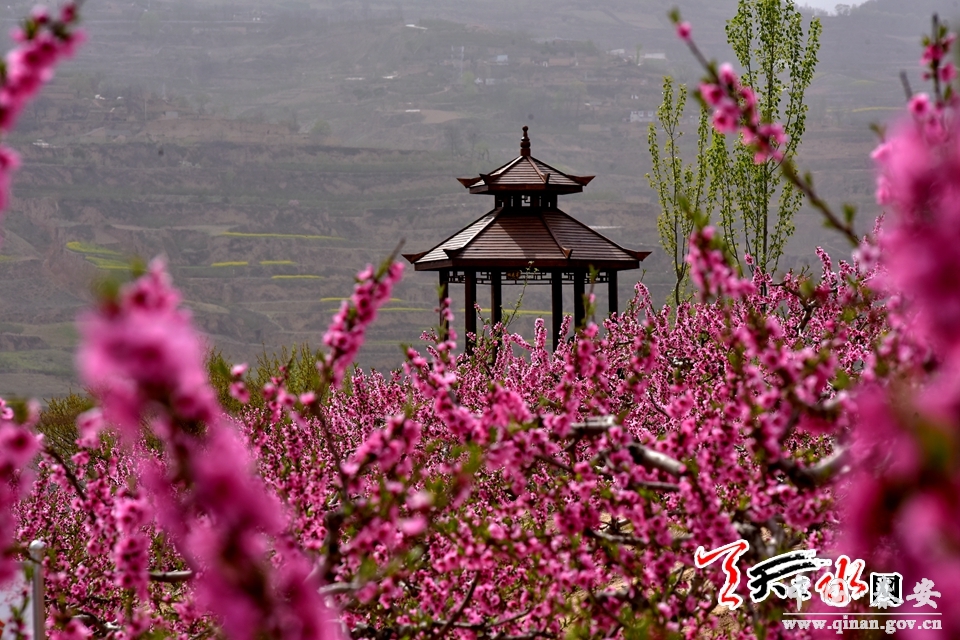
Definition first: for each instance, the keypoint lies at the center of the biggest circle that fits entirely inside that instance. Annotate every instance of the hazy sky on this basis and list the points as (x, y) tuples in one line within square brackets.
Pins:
[(828, 4)]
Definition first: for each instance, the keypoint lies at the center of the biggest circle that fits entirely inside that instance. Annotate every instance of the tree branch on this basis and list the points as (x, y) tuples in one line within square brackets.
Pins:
[(459, 612), (171, 577), (649, 458), (818, 474)]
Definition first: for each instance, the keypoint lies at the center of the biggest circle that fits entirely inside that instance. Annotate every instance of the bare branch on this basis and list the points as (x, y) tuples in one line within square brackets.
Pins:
[(641, 455), (650, 458), (71, 476), (594, 425), (171, 577), (907, 89), (630, 541)]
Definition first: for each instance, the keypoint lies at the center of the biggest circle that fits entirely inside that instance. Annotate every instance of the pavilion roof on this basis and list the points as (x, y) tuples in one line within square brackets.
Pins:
[(519, 237), (526, 173)]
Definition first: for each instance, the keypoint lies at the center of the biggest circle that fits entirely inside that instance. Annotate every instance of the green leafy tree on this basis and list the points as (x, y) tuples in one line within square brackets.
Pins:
[(679, 187), (756, 203)]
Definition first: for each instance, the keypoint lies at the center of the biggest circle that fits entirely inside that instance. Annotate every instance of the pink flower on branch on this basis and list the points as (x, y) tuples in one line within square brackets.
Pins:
[(18, 447), (710, 270), (348, 329), (142, 358), (43, 42), (948, 72)]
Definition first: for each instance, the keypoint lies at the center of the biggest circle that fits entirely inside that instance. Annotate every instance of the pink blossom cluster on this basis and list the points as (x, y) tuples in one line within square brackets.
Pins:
[(903, 508), (518, 479), (87, 516), (567, 488), (710, 270), (735, 110), (936, 53), (18, 446), (131, 551), (900, 510), (142, 358), (43, 41), (139, 348), (346, 332)]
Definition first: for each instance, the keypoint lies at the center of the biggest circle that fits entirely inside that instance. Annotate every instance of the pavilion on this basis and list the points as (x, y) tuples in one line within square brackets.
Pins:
[(526, 238)]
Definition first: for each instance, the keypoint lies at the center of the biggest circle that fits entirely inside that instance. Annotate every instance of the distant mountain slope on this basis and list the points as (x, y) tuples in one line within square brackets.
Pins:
[(270, 150)]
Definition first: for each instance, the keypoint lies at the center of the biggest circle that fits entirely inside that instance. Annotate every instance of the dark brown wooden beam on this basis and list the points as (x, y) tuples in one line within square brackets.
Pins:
[(496, 297), (482, 264), (612, 296), (556, 309), (469, 313), (579, 278), (444, 294)]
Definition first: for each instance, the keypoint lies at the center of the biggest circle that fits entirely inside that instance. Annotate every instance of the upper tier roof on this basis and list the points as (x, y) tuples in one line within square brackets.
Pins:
[(526, 173)]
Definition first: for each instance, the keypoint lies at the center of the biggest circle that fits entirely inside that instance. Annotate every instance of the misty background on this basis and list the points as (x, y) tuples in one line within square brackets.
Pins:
[(271, 149)]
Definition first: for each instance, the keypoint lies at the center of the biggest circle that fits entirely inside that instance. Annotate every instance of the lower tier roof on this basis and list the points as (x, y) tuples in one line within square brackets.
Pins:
[(521, 237)]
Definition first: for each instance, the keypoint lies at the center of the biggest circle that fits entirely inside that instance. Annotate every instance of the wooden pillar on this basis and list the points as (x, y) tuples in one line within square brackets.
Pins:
[(496, 297), (444, 294), (556, 310), (612, 292), (469, 313), (578, 290)]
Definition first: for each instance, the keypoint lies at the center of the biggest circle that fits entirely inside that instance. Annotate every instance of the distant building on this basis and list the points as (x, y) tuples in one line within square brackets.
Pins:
[(642, 116), (502, 59)]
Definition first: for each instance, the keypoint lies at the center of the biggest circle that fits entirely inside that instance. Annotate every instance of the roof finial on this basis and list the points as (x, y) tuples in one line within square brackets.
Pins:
[(525, 143)]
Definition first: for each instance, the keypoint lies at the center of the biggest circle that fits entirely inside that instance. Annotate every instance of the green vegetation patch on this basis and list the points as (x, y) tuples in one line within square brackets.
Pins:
[(339, 298), (291, 236), (238, 263), (100, 257), (91, 249), (532, 312), (48, 361), (61, 335), (109, 264)]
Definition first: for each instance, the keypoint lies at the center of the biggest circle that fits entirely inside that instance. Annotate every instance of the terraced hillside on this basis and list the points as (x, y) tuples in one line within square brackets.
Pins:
[(263, 239)]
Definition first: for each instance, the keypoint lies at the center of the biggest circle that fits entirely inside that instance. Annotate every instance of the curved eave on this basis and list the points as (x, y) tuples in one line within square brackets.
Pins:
[(413, 257), (523, 188), (519, 263)]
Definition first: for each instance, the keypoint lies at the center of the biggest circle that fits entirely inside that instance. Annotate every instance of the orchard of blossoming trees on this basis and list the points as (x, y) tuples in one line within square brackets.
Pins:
[(518, 493)]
